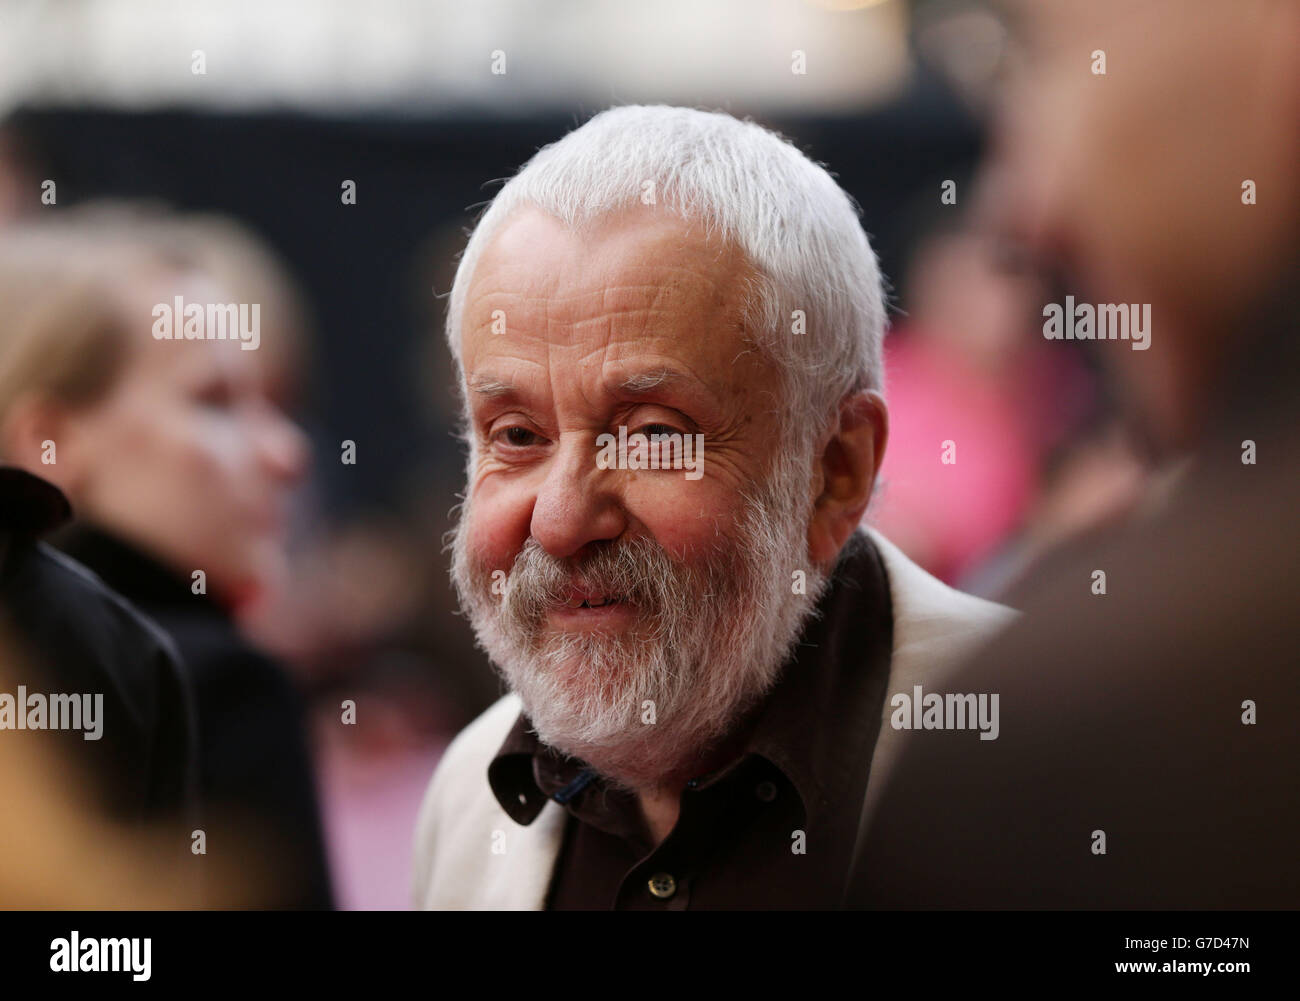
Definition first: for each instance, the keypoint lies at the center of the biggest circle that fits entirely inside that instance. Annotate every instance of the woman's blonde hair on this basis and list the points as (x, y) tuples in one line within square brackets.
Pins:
[(64, 331)]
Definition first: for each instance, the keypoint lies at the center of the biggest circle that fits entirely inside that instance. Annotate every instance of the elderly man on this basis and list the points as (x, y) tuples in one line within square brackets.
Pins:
[(699, 639)]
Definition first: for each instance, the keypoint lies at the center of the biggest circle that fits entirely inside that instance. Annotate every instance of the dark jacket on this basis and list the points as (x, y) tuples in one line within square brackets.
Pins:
[(254, 764), (76, 636), (1160, 716)]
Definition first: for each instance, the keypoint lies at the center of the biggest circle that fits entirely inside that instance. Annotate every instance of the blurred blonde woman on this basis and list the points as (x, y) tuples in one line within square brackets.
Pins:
[(179, 466)]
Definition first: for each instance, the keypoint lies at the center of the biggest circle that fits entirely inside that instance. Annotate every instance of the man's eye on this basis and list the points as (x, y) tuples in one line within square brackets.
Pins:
[(518, 437), (659, 429)]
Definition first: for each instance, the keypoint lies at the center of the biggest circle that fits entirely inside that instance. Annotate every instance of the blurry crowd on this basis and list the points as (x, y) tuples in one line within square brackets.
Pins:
[(191, 491)]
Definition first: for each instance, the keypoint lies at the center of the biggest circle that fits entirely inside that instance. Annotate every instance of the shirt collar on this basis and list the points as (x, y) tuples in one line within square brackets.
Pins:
[(128, 569)]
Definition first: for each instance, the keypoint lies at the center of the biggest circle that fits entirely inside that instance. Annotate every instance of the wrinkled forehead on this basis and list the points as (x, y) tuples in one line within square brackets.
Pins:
[(643, 279)]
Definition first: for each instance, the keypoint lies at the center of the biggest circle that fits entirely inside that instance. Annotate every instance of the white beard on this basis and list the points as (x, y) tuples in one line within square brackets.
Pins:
[(708, 642)]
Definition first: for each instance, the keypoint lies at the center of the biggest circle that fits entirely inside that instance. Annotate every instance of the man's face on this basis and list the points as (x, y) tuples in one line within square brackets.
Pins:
[(1131, 182), (618, 586)]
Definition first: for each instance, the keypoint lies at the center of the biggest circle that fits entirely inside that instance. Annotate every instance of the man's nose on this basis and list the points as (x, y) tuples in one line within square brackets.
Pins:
[(576, 503)]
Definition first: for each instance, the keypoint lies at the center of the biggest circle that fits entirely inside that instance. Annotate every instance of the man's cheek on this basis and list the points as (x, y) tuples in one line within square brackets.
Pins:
[(496, 533), (686, 521)]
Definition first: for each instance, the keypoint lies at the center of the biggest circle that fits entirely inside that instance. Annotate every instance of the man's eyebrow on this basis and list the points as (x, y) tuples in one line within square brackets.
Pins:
[(645, 382), (703, 400), (490, 388), (486, 387)]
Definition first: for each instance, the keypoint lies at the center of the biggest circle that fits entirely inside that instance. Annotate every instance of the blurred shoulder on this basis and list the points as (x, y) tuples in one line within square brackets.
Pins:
[(46, 585), (83, 636), (930, 617)]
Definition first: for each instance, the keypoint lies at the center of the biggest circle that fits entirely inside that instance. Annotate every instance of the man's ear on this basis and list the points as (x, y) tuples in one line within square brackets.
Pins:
[(38, 435), (845, 473)]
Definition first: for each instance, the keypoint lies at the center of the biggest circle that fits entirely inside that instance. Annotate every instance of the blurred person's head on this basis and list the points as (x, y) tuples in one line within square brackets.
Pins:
[(173, 445), (962, 298), (664, 271), (1131, 182)]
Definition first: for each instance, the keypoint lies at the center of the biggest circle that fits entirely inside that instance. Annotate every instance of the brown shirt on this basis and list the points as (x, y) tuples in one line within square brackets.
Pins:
[(775, 827)]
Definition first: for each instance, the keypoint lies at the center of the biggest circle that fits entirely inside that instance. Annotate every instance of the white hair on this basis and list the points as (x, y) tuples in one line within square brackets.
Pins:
[(797, 227)]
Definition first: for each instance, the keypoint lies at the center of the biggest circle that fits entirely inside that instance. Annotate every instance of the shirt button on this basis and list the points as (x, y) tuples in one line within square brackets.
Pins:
[(765, 791), (662, 885)]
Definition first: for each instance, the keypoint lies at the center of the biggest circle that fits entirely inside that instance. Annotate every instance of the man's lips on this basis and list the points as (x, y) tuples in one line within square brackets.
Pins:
[(587, 609), (580, 598)]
